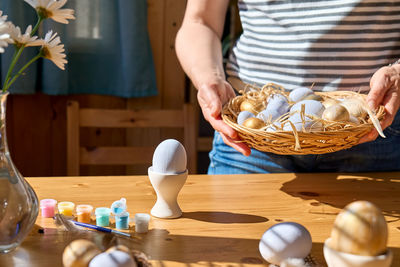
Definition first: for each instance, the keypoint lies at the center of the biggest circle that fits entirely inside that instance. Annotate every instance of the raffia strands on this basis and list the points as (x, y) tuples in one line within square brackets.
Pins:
[(333, 136)]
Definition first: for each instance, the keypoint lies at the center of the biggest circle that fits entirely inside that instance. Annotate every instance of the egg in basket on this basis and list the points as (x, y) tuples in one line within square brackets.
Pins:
[(300, 121)]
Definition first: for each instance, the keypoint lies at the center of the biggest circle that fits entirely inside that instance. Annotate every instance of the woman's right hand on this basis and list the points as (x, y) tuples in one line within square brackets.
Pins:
[(211, 98)]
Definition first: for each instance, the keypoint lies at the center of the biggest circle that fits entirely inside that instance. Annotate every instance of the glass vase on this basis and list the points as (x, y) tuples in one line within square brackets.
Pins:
[(18, 202)]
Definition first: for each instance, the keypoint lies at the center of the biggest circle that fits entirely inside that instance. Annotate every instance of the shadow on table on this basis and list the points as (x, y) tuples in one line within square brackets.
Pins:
[(223, 217), (329, 190)]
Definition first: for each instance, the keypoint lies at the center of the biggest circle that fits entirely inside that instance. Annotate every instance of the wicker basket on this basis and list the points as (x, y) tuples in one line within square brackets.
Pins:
[(333, 136)]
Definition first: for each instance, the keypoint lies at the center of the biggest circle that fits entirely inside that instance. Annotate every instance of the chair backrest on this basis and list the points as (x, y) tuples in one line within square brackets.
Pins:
[(120, 118)]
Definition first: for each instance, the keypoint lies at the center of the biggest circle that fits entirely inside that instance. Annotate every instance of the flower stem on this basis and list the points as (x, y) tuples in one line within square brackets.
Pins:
[(15, 58), (40, 19), (21, 71)]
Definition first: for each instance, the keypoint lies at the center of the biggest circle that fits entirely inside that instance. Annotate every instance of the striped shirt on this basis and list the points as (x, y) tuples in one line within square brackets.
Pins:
[(330, 44)]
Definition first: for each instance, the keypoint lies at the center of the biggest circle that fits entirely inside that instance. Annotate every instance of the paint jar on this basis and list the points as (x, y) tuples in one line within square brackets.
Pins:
[(66, 208), (102, 216), (118, 206), (48, 207), (122, 220), (84, 213), (142, 223)]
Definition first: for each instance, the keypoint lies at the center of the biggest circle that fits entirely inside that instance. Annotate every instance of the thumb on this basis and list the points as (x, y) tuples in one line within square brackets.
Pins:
[(379, 84)]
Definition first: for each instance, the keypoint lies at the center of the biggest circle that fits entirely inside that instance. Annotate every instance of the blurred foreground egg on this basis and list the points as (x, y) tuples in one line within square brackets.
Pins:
[(115, 258), (360, 229), (285, 240), (169, 157), (79, 253)]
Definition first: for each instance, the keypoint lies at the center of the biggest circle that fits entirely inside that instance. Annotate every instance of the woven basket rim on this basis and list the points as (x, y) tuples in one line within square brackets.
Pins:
[(339, 136)]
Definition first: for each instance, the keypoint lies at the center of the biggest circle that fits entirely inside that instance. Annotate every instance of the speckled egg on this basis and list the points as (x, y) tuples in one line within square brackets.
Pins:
[(169, 157), (115, 258), (285, 240), (299, 93), (244, 115)]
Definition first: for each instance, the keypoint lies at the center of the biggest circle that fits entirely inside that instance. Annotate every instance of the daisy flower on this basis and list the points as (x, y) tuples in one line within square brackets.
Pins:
[(19, 39), (52, 9), (53, 50), (4, 28)]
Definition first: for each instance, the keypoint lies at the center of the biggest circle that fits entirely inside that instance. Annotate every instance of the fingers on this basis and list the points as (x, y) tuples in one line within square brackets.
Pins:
[(371, 136), (379, 84), (239, 146)]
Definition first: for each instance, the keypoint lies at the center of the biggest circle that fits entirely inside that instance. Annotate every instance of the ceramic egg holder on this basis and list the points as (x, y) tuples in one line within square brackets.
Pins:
[(336, 258), (167, 187)]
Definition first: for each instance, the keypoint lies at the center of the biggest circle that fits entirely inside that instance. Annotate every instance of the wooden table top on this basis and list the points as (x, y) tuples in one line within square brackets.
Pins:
[(224, 215)]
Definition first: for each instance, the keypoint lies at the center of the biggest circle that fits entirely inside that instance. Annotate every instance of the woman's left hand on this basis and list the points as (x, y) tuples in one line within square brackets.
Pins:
[(385, 90)]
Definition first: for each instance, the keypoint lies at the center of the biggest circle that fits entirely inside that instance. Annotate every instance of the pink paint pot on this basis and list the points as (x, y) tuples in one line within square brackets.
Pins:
[(48, 207)]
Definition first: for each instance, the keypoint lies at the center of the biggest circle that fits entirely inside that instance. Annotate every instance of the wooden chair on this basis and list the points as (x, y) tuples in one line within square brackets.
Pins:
[(121, 118)]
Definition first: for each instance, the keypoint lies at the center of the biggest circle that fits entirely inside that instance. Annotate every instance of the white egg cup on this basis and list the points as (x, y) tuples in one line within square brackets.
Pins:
[(336, 258), (167, 187)]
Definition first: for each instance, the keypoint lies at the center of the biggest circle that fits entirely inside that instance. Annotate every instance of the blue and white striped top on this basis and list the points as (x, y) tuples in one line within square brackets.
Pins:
[(333, 44)]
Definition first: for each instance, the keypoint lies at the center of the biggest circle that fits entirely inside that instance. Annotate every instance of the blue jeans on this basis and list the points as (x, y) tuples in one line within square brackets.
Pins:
[(383, 154)]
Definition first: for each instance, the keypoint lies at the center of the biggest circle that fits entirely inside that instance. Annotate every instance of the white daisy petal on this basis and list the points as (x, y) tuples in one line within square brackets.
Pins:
[(52, 9), (53, 50), (19, 39), (4, 32)]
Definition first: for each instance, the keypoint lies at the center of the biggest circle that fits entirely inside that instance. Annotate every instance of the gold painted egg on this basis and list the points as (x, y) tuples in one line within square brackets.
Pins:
[(336, 113), (361, 229), (79, 253), (254, 123), (251, 106)]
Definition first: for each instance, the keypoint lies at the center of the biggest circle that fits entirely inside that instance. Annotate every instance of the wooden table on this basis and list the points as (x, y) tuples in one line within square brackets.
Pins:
[(224, 216)]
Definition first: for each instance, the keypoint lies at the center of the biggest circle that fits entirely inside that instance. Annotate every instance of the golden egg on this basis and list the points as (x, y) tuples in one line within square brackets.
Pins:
[(251, 106), (313, 97), (336, 113), (254, 123), (355, 107), (329, 102), (361, 229), (79, 253)]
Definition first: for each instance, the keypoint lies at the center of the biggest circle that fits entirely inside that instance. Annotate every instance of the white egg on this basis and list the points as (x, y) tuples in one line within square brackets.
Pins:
[(278, 103), (309, 124), (274, 127), (311, 107), (169, 157), (285, 240), (268, 115), (244, 115), (113, 259), (299, 93)]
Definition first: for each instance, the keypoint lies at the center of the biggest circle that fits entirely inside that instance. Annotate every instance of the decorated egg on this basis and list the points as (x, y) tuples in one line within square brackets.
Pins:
[(115, 258), (360, 229), (336, 113), (309, 123), (313, 97), (330, 102), (279, 105), (244, 115), (268, 115), (299, 93), (251, 106), (79, 253), (311, 107), (169, 157), (285, 240), (254, 123), (355, 107)]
